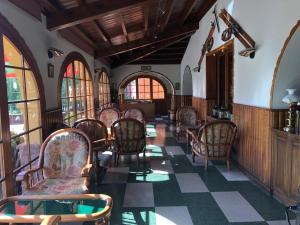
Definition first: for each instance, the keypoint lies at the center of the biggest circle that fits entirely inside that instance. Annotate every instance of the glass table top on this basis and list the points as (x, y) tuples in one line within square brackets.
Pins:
[(52, 207)]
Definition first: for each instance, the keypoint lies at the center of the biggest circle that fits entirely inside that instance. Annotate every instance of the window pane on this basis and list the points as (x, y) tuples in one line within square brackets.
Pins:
[(147, 81), (63, 88), (19, 144), (141, 81), (31, 87), (64, 107), (14, 83), (70, 87), (69, 72), (77, 85), (34, 114), (12, 56), (16, 118)]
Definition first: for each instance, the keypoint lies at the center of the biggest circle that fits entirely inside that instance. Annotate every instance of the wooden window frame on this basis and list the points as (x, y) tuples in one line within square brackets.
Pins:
[(136, 78), (7, 171), (108, 91), (71, 59)]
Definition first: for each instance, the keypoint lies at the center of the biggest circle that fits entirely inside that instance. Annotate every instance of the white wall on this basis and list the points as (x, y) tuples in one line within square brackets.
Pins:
[(268, 22), (39, 39), (288, 72), (172, 72)]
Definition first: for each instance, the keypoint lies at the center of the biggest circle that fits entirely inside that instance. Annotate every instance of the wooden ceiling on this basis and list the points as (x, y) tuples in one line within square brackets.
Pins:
[(128, 31)]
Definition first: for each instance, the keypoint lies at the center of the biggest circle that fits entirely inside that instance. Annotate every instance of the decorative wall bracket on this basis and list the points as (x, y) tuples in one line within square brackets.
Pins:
[(235, 29), (207, 46)]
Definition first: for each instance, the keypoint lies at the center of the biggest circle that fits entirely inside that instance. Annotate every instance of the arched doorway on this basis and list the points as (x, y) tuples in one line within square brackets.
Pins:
[(161, 91), (187, 87), (287, 71)]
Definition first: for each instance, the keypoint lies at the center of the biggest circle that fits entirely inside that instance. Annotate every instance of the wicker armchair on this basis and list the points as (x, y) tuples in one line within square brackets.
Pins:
[(108, 116), (65, 160), (129, 137), (186, 118), (135, 113), (214, 141), (97, 132)]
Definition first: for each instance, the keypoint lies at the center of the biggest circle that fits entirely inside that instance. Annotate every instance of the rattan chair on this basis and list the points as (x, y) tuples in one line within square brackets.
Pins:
[(108, 116), (65, 161), (135, 113), (97, 132), (186, 118), (214, 141), (129, 138)]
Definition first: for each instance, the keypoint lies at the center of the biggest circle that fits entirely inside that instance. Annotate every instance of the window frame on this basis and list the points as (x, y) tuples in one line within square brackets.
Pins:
[(108, 93), (136, 78), (7, 180), (71, 58)]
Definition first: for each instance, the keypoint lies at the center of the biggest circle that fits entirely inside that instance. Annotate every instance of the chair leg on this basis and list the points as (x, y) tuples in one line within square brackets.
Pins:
[(228, 164), (206, 164), (97, 168), (138, 160), (193, 157)]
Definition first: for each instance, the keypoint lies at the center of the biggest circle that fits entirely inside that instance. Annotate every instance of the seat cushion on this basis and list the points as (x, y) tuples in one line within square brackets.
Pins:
[(58, 186)]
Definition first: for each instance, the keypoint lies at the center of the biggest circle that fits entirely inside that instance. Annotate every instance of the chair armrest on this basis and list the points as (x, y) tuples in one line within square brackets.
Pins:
[(24, 175), (85, 172), (104, 140)]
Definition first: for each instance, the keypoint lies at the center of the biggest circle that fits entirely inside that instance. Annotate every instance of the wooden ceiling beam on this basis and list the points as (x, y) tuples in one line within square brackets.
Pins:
[(101, 32), (190, 4), (187, 30), (168, 12), (91, 11), (146, 16), (45, 4), (125, 33), (204, 8), (84, 36), (149, 50)]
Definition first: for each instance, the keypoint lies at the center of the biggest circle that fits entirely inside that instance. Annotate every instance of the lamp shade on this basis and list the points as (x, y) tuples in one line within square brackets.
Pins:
[(291, 97)]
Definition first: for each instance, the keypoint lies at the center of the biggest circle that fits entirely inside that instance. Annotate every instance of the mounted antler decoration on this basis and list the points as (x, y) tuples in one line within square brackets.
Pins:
[(207, 45), (239, 32)]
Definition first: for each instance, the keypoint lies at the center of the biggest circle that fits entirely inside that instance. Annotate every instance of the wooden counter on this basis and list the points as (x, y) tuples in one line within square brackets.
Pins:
[(285, 166), (147, 108)]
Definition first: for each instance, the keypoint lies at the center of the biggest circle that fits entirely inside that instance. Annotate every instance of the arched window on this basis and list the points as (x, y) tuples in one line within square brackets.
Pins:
[(144, 88), (21, 104), (104, 89), (76, 97)]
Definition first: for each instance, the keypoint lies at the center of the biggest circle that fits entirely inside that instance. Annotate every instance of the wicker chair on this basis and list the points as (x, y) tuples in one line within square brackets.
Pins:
[(129, 137), (108, 116), (186, 118), (65, 160), (214, 141), (135, 113), (97, 132)]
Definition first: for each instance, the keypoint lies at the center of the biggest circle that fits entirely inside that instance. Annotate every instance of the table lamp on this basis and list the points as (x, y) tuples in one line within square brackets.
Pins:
[(291, 99)]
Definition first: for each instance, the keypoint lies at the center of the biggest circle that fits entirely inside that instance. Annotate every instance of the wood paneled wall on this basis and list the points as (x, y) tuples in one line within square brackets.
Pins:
[(253, 145), (51, 117), (203, 106)]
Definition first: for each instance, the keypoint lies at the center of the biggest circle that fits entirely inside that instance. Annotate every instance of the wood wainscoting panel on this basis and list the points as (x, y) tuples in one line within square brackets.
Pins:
[(253, 144), (52, 117), (203, 107), (286, 166)]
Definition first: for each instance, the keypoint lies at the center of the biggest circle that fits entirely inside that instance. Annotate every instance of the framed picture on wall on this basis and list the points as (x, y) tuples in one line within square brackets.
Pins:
[(177, 86), (50, 70)]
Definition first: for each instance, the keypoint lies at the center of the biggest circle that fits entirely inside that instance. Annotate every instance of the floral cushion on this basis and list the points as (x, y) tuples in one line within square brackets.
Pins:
[(108, 117), (65, 155), (187, 116), (58, 186), (134, 114)]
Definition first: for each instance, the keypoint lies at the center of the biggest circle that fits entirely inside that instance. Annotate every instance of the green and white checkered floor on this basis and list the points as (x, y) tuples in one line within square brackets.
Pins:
[(168, 189)]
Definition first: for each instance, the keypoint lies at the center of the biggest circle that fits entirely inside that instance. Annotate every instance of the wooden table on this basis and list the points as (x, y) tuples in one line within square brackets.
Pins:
[(69, 208)]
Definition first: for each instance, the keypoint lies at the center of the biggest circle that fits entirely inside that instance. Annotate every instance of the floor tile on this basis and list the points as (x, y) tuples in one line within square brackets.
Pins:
[(173, 215), (137, 216), (162, 166), (139, 195), (281, 222), (174, 150), (235, 207), (199, 161), (155, 151), (181, 164), (190, 182), (167, 193), (233, 174), (116, 175)]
